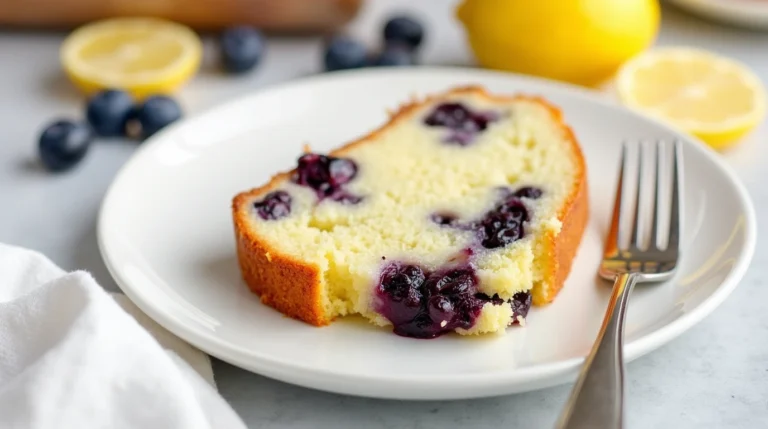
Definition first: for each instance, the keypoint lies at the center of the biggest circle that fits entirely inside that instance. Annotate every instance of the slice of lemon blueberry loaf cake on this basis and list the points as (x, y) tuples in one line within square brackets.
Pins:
[(457, 215)]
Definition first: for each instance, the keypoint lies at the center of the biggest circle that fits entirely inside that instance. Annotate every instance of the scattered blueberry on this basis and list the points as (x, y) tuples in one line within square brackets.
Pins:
[(341, 170), (107, 112), (342, 53), (275, 205), (396, 54), (327, 175), (451, 115), (503, 225), (457, 116), (463, 123), (241, 48), (404, 29), (63, 144), (156, 113)]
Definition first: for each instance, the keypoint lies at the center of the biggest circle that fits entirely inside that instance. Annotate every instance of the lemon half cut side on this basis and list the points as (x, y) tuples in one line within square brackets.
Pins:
[(712, 97), (143, 56)]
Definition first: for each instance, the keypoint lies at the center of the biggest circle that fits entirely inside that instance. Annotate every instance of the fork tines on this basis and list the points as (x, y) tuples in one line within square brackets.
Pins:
[(648, 197)]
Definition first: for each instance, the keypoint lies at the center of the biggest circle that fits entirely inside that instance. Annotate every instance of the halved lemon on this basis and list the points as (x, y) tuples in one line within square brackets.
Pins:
[(712, 97), (143, 56)]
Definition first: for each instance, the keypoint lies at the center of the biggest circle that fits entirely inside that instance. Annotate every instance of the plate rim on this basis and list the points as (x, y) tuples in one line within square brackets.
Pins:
[(503, 381), (741, 13)]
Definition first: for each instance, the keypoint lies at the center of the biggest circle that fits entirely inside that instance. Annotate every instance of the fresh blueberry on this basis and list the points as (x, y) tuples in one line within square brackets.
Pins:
[(107, 112), (395, 55), (404, 29), (132, 125), (343, 53), (63, 144), (155, 113), (241, 48)]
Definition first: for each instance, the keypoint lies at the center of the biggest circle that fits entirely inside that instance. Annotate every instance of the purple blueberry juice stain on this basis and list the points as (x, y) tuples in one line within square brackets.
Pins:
[(275, 205), (423, 304), (463, 123)]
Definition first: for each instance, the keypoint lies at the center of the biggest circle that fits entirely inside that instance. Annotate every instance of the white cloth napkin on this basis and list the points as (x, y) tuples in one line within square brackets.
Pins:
[(71, 356)]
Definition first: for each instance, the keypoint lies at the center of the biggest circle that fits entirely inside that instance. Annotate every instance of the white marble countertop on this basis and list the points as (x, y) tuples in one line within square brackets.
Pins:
[(714, 376)]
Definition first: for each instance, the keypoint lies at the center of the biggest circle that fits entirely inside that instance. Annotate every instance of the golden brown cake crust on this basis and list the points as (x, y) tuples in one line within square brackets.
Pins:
[(574, 215), (293, 286)]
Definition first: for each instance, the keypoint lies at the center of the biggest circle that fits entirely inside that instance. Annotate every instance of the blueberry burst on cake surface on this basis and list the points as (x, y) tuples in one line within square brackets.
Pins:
[(456, 216)]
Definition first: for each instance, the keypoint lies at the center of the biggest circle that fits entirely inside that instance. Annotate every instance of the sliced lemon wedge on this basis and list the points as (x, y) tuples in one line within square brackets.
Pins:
[(712, 97), (143, 56)]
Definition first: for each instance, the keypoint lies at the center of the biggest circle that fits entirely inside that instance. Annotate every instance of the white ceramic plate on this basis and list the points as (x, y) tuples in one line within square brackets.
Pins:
[(750, 13), (166, 235)]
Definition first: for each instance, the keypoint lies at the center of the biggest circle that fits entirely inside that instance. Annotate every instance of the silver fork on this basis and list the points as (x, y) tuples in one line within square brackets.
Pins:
[(597, 399)]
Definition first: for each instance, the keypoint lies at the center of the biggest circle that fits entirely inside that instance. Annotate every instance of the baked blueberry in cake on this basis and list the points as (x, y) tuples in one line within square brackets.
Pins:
[(456, 216)]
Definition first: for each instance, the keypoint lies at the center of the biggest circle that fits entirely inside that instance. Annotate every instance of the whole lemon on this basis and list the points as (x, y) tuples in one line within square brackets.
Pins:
[(578, 41)]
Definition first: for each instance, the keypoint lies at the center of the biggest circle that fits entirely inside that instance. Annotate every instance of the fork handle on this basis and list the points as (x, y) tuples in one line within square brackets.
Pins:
[(597, 399)]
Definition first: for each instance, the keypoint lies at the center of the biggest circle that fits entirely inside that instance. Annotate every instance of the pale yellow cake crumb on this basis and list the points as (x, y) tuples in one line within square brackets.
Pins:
[(424, 175)]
